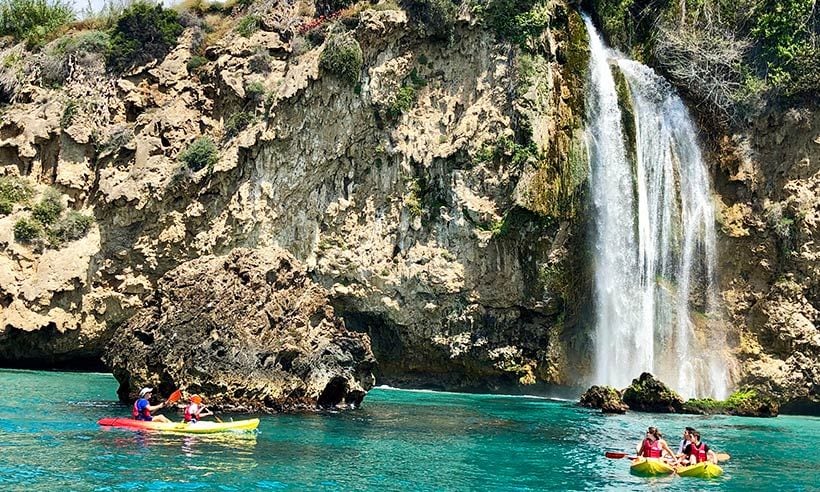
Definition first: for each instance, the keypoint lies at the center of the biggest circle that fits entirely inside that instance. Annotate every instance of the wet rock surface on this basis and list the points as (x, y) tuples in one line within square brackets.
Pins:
[(648, 394), (607, 398), (248, 331)]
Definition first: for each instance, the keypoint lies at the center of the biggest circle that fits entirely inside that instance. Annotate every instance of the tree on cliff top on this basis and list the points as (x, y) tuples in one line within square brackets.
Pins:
[(143, 32)]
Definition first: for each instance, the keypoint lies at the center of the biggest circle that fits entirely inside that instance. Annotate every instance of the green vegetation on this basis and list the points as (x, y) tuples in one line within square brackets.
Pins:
[(84, 48), (514, 20), (255, 91), (27, 231), (201, 154), (248, 25), (143, 32), (438, 17), (507, 150), (69, 112), (404, 100), (412, 200), (33, 21), (70, 228), (195, 62), (731, 56), (343, 57), (48, 209), (236, 123), (745, 401), (261, 61), (13, 190)]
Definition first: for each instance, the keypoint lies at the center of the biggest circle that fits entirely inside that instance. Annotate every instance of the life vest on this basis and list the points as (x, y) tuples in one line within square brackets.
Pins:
[(699, 452), (144, 415), (651, 450), (192, 412)]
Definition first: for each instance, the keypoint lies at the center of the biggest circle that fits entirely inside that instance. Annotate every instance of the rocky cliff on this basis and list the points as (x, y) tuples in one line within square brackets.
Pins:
[(437, 193)]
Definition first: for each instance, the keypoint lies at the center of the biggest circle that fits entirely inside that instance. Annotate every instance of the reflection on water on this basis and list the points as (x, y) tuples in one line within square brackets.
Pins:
[(398, 440)]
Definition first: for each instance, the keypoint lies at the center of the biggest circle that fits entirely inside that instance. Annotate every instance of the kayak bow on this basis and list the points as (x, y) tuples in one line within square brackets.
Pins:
[(650, 467), (201, 427), (704, 469)]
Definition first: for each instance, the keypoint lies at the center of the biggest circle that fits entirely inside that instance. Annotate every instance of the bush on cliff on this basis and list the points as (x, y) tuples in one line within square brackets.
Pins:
[(514, 20), (27, 231), (49, 208), (201, 154), (85, 49), (744, 402), (33, 20), (143, 32), (73, 226), (438, 17), (13, 190), (343, 57)]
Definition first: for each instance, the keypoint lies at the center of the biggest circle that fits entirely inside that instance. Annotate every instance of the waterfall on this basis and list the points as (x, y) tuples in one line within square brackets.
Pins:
[(654, 248)]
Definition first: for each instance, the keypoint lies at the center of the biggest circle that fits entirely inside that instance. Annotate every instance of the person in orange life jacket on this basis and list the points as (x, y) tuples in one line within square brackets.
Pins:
[(697, 451), (653, 446), (142, 408), (196, 410)]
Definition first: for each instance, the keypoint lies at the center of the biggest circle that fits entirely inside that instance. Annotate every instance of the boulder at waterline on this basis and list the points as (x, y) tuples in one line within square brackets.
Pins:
[(648, 394), (607, 398), (249, 332)]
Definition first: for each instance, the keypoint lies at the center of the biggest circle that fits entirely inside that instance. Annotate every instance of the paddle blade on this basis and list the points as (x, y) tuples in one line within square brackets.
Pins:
[(175, 396), (218, 419), (615, 455), (722, 456)]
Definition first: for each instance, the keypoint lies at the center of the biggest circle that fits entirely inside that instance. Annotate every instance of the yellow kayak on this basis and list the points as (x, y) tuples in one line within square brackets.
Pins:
[(201, 427), (647, 467), (704, 469)]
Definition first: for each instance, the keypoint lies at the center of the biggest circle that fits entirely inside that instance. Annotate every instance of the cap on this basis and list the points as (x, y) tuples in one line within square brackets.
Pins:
[(143, 391), (196, 399)]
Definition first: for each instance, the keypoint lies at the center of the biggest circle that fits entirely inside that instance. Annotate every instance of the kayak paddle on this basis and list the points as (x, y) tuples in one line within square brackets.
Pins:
[(722, 456), (616, 455), (175, 396)]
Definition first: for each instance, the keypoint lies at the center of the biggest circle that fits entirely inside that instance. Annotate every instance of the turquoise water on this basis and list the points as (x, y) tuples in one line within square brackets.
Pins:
[(399, 440)]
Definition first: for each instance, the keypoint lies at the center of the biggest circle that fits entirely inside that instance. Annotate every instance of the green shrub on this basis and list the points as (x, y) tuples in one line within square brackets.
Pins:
[(343, 57), (255, 90), (14, 189), (403, 101), (437, 16), (516, 20), (6, 207), (143, 32), (248, 25), (33, 20), (48, 209), (195, 62), (237, 122), (200, 154), (71, 227), (27, 230), (69, 112)]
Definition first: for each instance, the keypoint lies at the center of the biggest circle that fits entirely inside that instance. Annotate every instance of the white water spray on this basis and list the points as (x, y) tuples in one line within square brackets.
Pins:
[(655, 234)]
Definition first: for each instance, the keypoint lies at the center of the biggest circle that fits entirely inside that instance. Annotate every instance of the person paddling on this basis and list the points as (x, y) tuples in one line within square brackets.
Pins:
[(653, 445), (196, 410), (697, 451), (687, 438), (142, 408)]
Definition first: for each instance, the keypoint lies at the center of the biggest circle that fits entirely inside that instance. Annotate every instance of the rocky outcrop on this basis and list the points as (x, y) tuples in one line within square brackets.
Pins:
[(248, 331), (447, 230), (607, 398), (648, 394)]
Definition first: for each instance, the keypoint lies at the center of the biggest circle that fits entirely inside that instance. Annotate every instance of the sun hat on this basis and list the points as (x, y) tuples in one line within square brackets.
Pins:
[(144, 391)]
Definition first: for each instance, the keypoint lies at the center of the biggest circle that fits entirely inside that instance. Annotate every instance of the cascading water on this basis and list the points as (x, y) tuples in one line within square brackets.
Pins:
[(655, 236)]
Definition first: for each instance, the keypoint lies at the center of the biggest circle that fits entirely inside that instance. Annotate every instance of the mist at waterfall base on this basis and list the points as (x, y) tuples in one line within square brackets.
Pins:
[(656, 304), (398, 440)]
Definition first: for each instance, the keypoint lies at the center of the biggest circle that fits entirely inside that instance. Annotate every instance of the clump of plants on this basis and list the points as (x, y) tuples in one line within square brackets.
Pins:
[(201, 154), (342, 57), (406, 95), (237, 122), (437, 17), (85, 49), (143, 32), (248, 25), (514, 20), (195, 62), (49, 226), (33, 21), (13, 190)]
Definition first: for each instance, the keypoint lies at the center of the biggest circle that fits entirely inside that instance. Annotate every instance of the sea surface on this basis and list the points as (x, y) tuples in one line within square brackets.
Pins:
[(398, 440)]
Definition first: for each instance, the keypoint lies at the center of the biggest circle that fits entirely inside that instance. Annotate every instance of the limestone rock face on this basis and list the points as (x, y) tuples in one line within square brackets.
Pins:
[(607, 398), (248, 331), (648, 394)]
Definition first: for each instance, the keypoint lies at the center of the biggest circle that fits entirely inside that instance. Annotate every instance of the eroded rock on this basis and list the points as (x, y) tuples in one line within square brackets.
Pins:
[(607, 398), (648, 394), (248, 331)]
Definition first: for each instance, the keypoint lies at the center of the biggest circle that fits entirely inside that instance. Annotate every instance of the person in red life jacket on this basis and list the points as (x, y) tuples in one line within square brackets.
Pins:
[(142, 408), (697, 451), (653, 445), (196, 410)]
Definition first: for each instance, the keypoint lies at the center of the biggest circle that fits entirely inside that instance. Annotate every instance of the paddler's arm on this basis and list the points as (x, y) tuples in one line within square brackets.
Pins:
[(158, 406)]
